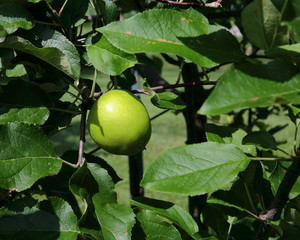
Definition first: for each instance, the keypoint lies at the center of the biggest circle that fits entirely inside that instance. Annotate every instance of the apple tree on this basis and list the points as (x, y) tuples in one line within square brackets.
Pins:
[(238, 86)]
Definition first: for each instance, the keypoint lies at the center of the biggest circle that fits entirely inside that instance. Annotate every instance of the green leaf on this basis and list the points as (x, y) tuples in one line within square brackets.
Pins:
[(14, 16), (91, 179), (53, 219), (184, 33), (156, 228), (109, 59), (168, 100), (261, 22), (51, 55), (25, 115), (254, 85), (195, 169), (291, 16), (92, 183), (26, 155), (168, 210), (116, 220)]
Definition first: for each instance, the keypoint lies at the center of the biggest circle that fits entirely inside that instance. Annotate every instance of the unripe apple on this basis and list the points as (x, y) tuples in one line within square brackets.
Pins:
[(119, 123)]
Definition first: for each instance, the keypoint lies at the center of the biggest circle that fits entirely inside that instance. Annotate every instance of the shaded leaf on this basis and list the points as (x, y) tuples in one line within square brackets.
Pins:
[(168, 100), (14, 16), (51, 55), (195, 169), (156, 228), (262, 138), (74, 12), (214, 218), (26, 155), (294, 114), (21, 99), (286, 52), (261, 22), (184, 33), (43, 38), (109, 59), (254, 85), (53, 219), (168, 210), (291, 16)]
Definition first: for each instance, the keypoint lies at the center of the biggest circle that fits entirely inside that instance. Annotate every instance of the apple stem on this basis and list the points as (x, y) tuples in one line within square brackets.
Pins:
[(115, 81)]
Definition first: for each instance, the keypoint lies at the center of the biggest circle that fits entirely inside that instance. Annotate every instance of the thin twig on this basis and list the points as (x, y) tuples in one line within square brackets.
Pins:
[(171, 86), (156, 116), (202, 4), (82, 135)]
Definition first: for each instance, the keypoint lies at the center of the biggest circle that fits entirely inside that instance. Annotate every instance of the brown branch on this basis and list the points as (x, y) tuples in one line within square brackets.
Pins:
[(202, 4), (82, 135), (280, 199), (171, 86)]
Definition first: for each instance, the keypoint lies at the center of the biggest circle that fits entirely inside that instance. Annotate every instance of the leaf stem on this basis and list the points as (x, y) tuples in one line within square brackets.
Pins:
[(63, 110), (62, 8), (49, 24), (156, 116), (115, 82), (69, 164), (249, 198), (180, 73), (272, 159), (94, 83), (295, 139)]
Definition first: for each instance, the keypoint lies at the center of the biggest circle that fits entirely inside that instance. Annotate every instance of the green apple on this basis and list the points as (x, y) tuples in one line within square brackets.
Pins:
[(119, 123)]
